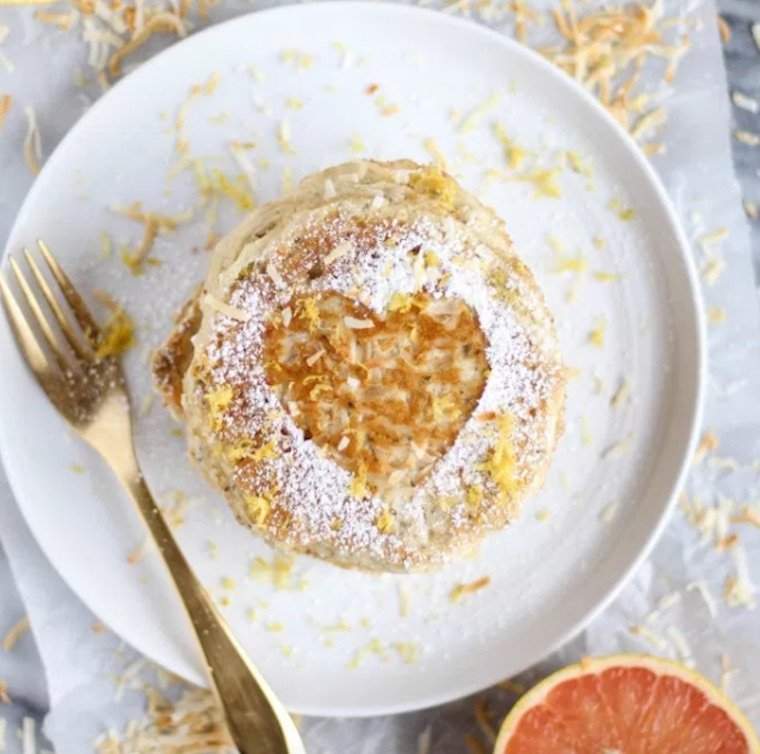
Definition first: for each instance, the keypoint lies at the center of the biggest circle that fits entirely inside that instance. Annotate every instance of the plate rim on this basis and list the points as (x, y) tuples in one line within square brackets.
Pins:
[(695, 302)]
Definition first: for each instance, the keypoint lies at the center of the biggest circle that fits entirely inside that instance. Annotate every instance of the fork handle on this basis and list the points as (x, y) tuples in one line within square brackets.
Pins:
[(258, 723)]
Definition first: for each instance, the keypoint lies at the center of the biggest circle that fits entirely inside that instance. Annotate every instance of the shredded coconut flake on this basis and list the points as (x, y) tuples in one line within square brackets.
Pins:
[(712, 268), (713, 237), (683, 650), (239, 152), (5, 105), (14, 633), (28, 736), (113, 19), (622, 394), (608, 513), (750, 138), (656, 640), (284, 136), (739, 590), (424, 741), (708, 443), (610, 63), (192, 723), (160, 23), (704, 592), (742, 101), (352, 323), (32, 142), (339, 251), (274, 274), (223, 308)]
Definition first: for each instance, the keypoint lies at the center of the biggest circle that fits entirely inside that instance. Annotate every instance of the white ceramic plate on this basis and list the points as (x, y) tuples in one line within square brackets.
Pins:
[(330, 641)]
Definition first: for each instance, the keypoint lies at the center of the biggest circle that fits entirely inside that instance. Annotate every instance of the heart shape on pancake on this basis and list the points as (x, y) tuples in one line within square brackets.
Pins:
[(385, 396)]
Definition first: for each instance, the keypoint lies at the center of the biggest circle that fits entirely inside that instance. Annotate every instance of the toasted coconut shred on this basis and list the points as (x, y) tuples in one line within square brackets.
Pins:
[(5, 105), (115, 32), (192, 723), (161, 23), (14, 633), (62, 21), (607, 52)]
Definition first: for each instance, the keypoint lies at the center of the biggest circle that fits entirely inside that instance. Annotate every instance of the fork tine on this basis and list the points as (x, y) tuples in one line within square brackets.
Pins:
[(78, 307), (52, 301), (25, 337), (47, 331)]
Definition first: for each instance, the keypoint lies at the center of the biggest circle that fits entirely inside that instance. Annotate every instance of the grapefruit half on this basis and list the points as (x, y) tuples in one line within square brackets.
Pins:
[(627, 704)]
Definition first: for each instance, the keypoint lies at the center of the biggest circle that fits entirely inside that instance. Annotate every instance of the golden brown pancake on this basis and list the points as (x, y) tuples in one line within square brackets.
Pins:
[(369, 374)]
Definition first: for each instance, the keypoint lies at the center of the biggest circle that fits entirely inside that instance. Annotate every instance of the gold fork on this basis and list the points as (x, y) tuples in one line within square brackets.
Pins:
[(90, 393)]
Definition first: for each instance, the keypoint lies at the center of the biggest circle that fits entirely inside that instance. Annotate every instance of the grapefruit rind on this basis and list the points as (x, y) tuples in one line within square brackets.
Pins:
[(593, 665)]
